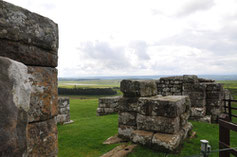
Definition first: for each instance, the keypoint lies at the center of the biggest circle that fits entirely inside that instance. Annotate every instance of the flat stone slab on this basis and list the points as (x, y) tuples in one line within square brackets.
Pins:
[(114, 140), (120, 151), (142, 137), (69, 122), (125, 131), (138, 88)]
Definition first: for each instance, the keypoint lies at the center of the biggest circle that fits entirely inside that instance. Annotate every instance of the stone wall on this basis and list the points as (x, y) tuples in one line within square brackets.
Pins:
[(31, 39), (205, 95), (159, 122), (108, 105), (63, 110)]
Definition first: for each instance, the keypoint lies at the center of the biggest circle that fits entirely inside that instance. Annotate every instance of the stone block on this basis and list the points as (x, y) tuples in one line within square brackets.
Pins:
[(198, 111), (128, 104), (215, 95), (63, 102), (61, 118), (158, 124), (190, 79), (44, 96), (29, 55), (125, 132), (106, 111), (127, 118), (198, 102), (170, 142), (214, 87), (20, 25), (42, 138), (142, 137), (138, 88), (109, 102), (214, 102), (184, 118), (167, 106), (15, 93)]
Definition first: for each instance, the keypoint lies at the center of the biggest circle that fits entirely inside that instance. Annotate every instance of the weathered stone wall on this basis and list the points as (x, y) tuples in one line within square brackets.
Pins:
[(108, 105), (33, 40), (63, 110), (206, 96), (159, 122)]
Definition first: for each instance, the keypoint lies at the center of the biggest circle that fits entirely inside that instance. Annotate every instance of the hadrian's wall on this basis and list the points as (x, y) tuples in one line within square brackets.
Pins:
[(206, 95), (28, 83), (159, 122)]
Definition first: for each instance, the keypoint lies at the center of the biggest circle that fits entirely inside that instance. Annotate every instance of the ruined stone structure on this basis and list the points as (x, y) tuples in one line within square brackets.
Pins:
[(159, 122), (108, 105), (206, 95), (28, 85), (63, 110)]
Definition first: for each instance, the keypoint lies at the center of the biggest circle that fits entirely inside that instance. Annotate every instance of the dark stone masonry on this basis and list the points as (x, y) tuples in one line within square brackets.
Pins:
[(206, 96), (159, 122), (28, 85)]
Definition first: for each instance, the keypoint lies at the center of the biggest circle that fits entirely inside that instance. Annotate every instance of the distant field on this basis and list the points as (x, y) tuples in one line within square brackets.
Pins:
[(89, 84)]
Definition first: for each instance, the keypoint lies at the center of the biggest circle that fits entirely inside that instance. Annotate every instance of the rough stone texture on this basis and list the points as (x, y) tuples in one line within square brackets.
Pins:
[(128, 104), (108, 105), (42, 138), (169, 106), (27, 37), (170, 142), (44, 97), (158, 124), (127, 118), (125, 132), (14, 104), (203, 93), (137, 88), (142, 137), (27, 54), (63, 110), (21, 25)]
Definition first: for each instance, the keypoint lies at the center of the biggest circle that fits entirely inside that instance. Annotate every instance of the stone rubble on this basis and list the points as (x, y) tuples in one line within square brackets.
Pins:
[(31, 39), (159, 122)]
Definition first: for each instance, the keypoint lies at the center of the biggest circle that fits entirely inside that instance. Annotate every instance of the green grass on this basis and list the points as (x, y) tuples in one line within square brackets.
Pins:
[(84, 137)]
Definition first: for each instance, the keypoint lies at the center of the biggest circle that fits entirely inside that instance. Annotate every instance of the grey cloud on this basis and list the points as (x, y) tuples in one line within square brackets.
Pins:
[(193, 6), (140, 48), (221, 43), (105, 55)]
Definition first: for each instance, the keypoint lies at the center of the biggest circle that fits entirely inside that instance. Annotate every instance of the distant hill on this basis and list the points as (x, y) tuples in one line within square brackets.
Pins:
[(214, 77)]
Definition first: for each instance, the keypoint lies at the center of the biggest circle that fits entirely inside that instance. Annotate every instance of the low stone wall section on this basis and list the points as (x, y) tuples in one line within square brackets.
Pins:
[(108, 105), (63, 110)]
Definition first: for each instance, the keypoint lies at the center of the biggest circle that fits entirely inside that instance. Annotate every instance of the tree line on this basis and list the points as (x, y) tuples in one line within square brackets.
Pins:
[(86, 91)]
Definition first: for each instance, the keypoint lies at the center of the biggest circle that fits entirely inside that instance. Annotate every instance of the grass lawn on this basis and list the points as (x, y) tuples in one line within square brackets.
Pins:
[(84, 137)]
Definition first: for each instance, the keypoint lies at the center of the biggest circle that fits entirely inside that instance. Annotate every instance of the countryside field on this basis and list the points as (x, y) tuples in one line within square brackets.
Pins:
[(85, 136)]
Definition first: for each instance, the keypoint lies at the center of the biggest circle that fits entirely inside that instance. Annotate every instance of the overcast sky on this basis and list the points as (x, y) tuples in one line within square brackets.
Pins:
[(142, 37)]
